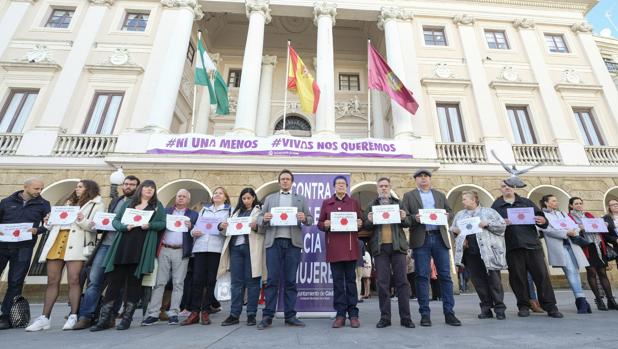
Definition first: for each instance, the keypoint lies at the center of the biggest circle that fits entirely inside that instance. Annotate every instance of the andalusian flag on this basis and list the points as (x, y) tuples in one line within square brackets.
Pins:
[(204, 67), (301, 82), (382, 77)]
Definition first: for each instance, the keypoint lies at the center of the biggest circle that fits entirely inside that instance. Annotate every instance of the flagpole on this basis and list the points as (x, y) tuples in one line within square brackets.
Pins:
[(368, 94), (285, 93)]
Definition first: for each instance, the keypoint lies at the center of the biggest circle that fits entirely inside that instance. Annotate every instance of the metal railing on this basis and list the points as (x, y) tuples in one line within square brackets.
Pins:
[(9, 143), (599, 155), (461, 153), (84, 146), (535, 153)]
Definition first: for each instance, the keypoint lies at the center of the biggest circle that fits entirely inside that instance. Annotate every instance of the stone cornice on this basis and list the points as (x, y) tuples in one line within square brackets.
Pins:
[(191, 4), (393, 13), (582, 5), (324, 8), (261, 6), (581, 27), (524, 23), (25, 66), (102, 2)]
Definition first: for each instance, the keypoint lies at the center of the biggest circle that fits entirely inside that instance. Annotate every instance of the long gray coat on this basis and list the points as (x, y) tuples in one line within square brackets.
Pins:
[(554, 241), (490, 240), (272, 200)]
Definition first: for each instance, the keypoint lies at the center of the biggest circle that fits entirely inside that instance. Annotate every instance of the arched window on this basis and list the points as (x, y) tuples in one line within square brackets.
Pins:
[(296, 125)]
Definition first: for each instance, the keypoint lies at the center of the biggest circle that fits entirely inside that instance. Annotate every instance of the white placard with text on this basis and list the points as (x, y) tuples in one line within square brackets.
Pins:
[(284, 216)]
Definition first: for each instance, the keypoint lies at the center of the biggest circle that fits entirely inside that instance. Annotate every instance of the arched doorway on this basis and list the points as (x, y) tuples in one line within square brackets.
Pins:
[(295, 124), (200, 193), (611, 194), (266, 189), (366, 192), (454, 196), (537, 193)]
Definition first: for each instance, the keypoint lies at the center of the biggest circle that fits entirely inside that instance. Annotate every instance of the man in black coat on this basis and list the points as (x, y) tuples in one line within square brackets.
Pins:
[(524, 253), (24, 206)]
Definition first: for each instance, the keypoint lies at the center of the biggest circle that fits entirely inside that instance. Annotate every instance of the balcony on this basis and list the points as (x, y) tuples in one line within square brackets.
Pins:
[(9, 143), (84, 146), (602, 156), (535, 153), (461, 153)]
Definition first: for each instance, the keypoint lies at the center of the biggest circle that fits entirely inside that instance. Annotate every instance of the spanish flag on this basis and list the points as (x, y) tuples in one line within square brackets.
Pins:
[(302, 83)]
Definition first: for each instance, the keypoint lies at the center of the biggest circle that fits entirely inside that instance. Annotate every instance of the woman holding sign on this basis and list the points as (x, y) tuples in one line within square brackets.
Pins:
[(70, 242), (480, 245), (208, 235), (132, 253), (243, 257), (340, 219), (595, 251), (562, 251)]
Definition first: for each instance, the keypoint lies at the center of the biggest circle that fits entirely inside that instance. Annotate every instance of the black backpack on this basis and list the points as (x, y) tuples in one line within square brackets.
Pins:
[(19, 316)]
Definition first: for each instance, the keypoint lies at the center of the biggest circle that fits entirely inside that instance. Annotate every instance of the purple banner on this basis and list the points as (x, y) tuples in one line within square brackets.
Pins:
[(313, 279)]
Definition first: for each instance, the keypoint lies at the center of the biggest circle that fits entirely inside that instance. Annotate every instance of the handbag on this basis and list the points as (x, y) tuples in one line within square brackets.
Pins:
[(19, 315), (223, 288), (579, 241), (611, 254)]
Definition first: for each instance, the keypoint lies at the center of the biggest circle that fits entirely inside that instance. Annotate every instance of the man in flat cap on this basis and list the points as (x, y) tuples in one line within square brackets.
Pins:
[(430, 241), (524, 252)]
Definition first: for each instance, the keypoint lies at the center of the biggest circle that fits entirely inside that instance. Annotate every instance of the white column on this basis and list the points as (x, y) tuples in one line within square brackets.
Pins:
[(599, 69), (324, 18), (388, 21), (262, 128), (487, 113), (41, 140), (571, 151), (202, 112), (10, 21), (159, 88), (377, 115), (258, 12)]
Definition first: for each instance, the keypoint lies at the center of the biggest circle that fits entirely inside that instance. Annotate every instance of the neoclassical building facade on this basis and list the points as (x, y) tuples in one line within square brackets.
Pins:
[(86, 85)]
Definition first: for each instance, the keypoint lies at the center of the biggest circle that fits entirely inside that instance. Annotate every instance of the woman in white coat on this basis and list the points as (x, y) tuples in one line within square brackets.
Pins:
[(69, 245), (562, 252)]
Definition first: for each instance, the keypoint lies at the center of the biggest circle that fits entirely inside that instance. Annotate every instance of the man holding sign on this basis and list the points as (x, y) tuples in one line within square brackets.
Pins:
[(340, 220), (524, 253), (24, 206), (173, 258), (389, 247), (283, 245), (430, 241)]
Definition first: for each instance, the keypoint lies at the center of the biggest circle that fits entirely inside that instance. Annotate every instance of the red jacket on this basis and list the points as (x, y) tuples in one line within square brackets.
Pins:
[(585, 249), (340, 246)]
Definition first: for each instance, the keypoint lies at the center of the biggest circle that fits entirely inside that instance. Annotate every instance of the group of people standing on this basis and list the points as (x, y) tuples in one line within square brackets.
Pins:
[(196, 256)]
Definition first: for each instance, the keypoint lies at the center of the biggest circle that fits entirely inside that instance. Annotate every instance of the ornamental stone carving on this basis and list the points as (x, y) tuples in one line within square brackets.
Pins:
[(351, 107), (571, 76), (102, 2), (524, 23), (443, 71), (324, 9), (463, 19), (39, 54), (120, 56), (393, 13), (260, 6), (509, 74), (269, 60), (582, 27), (194, 5)]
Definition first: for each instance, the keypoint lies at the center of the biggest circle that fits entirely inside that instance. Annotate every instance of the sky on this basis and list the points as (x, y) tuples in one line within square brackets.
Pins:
[(597, 17)]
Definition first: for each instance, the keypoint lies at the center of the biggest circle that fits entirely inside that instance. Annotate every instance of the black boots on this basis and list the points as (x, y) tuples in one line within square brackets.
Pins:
[(600, 304), (485, 312), (105, 315), (582, 305), (611, 303), (127, 316)]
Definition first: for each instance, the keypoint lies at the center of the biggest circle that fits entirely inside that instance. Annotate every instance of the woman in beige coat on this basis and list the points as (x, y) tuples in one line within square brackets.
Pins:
[(243, 256), (69, 245)]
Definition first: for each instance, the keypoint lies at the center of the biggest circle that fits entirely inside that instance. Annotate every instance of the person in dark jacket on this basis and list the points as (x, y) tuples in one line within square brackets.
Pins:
[(92, 295), (524, 254), (389, 247), (611, 218), (342, 252), (173, 259), (24, 206)]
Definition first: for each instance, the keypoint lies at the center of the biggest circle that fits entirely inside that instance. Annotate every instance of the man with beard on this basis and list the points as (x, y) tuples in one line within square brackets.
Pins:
[(92, 295), (24, 206)]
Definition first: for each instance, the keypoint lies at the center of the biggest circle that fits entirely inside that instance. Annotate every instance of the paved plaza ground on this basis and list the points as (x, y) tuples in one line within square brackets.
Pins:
[(597, 330)]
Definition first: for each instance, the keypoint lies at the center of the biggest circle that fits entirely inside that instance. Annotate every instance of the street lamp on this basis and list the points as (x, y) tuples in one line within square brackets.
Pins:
[(115, 179)]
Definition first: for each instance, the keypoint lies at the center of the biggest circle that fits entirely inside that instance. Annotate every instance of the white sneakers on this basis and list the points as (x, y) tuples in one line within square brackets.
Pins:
[(71, 321), (41, 323)]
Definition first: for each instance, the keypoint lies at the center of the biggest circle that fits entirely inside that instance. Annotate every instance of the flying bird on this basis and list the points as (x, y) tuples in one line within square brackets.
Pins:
[(514, 181)]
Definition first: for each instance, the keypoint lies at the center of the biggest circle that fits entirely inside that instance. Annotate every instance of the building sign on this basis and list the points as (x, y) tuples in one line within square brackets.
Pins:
[(277, 146)]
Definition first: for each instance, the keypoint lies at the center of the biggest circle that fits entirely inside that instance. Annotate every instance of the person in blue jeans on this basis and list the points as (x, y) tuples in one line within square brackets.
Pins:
[(90, 300), (243, 257), (283, 245), (430, 241)]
